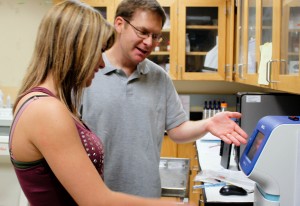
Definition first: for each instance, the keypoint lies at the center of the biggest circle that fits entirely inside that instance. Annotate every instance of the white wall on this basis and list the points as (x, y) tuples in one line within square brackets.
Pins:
[(19, 21)]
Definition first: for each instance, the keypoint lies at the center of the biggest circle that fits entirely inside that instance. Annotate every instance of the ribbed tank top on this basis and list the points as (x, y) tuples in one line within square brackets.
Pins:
[(38, 182)]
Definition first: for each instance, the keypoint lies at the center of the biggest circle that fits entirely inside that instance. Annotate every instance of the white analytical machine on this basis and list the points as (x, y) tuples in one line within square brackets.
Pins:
[(272, 159)]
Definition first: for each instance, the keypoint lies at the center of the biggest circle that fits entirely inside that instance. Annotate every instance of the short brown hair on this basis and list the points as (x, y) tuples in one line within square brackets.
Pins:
[(127, 8)]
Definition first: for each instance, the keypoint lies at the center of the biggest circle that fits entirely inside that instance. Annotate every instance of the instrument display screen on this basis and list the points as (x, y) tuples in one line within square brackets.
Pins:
[(257, 142)]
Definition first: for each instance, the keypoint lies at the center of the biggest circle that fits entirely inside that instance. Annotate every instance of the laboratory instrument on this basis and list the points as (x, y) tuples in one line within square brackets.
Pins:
[(271, 159)]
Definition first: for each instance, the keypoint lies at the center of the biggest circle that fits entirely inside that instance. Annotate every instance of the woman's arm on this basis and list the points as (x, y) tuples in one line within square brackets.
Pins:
[(54, 134)]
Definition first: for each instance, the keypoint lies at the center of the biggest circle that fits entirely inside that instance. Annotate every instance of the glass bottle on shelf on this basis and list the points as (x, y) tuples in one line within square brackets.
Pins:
[(156, 48), (187, 43)]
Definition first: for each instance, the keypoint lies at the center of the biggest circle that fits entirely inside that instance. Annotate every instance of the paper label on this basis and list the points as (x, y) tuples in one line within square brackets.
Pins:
[(253, 99)]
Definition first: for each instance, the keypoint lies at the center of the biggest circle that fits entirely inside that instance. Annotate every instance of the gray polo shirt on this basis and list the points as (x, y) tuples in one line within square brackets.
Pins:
[(130, 115)]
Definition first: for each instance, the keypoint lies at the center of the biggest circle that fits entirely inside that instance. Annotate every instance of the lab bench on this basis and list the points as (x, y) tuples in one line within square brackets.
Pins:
[(209, 159)]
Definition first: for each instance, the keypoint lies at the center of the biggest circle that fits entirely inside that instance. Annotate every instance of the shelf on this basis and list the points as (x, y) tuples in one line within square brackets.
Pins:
[(202, 27), (296, 30), (293, 53), (160, 53), (196, 53)]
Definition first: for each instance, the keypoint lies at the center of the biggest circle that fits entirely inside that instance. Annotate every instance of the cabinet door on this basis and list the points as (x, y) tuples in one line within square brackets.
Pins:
[(281, 26), (168, 147), (106, 8), (276, 23), (230, 38), (201, 40), (165, 54), (256, 27), (269, 34), (286, 51), (247, 38), (188, 150)]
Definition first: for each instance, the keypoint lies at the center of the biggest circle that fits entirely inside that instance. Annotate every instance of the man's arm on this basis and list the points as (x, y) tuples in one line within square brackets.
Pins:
[(220, 125)]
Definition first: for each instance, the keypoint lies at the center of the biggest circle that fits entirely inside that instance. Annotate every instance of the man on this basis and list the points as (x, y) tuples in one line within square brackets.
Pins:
[(132, 101)]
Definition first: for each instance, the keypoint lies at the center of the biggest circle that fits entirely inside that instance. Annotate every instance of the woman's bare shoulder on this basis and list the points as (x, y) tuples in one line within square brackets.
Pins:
[(44, 114)]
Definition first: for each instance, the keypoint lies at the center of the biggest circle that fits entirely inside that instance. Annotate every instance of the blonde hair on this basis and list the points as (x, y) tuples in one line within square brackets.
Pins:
[(69, 44)]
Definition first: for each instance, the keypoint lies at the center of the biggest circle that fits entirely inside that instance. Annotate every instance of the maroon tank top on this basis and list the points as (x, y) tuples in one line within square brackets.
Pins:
[(38, 182)]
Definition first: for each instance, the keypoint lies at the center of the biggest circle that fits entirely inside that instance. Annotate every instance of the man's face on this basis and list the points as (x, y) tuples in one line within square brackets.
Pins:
[(140, 35)]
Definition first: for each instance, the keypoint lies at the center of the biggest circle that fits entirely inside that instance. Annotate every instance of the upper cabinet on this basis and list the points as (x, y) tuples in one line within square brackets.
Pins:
[(288, 47), (106, 8), (254, 42), (201, 40), (194, 37), (246, 44), (267, 44), (165, 54)]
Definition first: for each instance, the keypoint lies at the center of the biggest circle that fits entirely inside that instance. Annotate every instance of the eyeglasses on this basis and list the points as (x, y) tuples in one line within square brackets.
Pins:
[(144, 34)]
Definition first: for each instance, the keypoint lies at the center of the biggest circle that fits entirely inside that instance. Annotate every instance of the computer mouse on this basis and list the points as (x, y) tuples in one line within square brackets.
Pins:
[(232, 190)]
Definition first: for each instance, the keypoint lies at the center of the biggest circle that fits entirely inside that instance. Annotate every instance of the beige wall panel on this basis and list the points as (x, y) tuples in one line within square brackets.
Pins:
[(19, 21)]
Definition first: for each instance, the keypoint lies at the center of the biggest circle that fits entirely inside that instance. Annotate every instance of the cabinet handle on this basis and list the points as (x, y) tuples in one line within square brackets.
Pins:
[(195, 168), (180, 70), (241, 71), (234, 69), (269, 67), (227, 71)]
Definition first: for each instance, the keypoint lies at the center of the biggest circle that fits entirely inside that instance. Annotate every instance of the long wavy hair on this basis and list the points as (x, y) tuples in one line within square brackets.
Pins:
[(68, 45)]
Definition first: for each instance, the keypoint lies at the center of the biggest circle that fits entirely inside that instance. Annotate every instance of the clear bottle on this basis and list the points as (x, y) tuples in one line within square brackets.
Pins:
[(210, 109), (205, 110), (215, 107), (8, 102), (218, 106), (187, 43), (223, 106), (168, 46), (1, 99)]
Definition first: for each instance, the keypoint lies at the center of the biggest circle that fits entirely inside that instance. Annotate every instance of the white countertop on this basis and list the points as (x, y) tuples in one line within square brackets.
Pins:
[(209, 159), (3, 138), (4, 150), (6, 116)]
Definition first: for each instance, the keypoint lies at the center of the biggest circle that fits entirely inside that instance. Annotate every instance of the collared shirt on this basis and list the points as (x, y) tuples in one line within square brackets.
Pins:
[(130, 115)]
